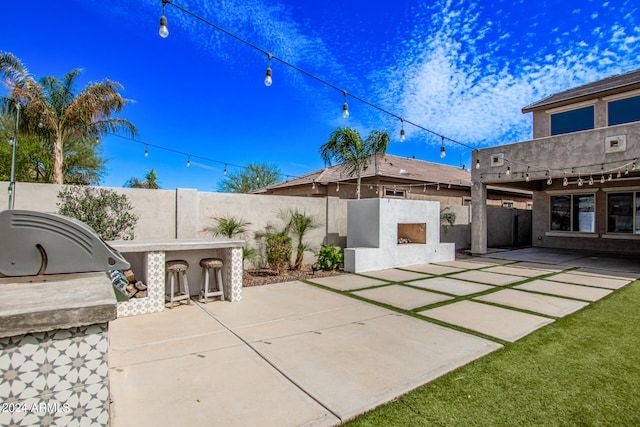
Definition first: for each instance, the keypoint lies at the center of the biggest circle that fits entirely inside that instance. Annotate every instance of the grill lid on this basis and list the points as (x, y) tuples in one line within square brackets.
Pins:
[(34, 243)]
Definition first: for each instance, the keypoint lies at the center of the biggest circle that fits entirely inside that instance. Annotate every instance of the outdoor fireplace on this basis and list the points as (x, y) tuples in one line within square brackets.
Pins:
[(389, 233), (412, 233)]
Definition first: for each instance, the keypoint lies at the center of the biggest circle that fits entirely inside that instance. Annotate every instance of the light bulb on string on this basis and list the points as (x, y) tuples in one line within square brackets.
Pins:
[(580, 182), (189, 160), (610, 177), (438, 187), (626, 171), (424, 188), (633, 165), (549, 181), (443, 151), (225, 169), (268, 80), (337, 187), (477, 163), (602, 179), (313, 185), (591, 180), (402, 131), (565, 181), (449, 187), (146, 150), (508, 170), (345, 106), (619, 174), (164, 29)]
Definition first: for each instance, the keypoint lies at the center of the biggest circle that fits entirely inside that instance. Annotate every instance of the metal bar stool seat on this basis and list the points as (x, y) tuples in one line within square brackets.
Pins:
[(177, 275), (209, 264)]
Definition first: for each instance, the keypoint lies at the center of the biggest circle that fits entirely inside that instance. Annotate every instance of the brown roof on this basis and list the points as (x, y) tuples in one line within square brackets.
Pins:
[(614, 84), (388, 166)]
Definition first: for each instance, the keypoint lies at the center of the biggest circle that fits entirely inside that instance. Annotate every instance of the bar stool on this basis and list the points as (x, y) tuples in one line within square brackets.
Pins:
[(207, 265), (175, 270)]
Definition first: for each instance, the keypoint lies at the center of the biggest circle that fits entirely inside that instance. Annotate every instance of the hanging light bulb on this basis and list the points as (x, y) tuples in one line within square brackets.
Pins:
[(402, 131), (591, 180), (225, 169), (164, 29), (527, 179), (443, 151), (619, 174), (549, 181), (477, 163), (626, 171), (146, 150), (610, 177), (633, 165), (580, 182), (189, 160), (313, 186), (565, 181), (508, 170), (424, 188), (449, 187), (438, 187), (337, 187), (268, 79), (602, 179), (345, 106)]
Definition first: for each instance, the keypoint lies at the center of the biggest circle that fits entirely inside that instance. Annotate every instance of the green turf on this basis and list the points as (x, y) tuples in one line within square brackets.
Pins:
[(581, 370)]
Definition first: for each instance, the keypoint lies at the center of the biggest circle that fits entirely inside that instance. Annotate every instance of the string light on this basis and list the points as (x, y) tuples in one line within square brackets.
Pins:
[(164, 29), (602, 179), (610, 177), (345, 106), (438, 187), (549, 181), (337, 187), (565, 181), (402, 131), (146, 151), (449, 186), (313, 186), (268, 79), (189, 160), (591, 180), (443, 152), (225, 169), (619, 174), (477, 163), (580, 182), (508, 170)]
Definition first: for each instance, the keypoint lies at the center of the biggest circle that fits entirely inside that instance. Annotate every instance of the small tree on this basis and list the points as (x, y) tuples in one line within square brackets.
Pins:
[(230, 226), (107, 212), (252, 177), (298, 224), (279, 253), (150, 181), (447, 219)]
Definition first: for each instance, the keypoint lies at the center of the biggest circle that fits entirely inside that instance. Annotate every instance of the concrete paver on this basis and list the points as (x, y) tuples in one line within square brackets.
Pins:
[(395, 275), (451, 286), (586, 293), (465, 265), (231, 387), (487, 277), (543, 304), (518, 271), (490, 261), (502, 323), (433, 269), (540, 266), (357, 366), (607, 273), (347, 282), (402, 296), (582, 279)]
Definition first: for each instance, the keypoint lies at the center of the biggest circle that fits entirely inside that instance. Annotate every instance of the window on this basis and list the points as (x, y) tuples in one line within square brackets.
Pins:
[(394, 193), (573, 212), (466, 201), (508, 205), (573, 120), (623, 213), (624, 110)]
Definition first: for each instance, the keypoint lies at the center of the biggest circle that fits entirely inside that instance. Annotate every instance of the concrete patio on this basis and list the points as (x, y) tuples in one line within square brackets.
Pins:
[(296, 354)]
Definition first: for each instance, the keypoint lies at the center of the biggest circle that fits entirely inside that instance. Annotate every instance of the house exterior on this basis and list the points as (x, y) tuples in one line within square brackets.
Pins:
[(389, 176), (582, 165)]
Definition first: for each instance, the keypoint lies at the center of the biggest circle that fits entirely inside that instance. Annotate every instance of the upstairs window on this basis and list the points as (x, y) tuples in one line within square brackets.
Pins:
[(624, 111), (573, 120), (623, 213)]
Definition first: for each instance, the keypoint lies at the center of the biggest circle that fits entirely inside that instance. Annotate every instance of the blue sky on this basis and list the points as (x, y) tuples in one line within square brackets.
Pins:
[(463, 69)]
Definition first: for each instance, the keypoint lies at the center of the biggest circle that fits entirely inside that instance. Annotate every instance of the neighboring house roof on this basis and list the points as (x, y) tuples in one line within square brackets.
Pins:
[(626, 81), (386, 166)]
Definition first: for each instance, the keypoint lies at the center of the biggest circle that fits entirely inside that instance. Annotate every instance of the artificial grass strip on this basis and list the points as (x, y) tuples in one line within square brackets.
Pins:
[(583, 369)]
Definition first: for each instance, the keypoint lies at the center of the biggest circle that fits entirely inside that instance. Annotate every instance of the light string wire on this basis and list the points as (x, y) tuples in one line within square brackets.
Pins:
[(313, 76)]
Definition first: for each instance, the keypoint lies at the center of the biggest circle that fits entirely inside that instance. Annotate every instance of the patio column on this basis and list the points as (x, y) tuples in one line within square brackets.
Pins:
[(479, 218)]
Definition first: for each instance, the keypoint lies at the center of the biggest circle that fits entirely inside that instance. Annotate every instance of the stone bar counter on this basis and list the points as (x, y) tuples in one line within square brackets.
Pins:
[(148, 259)]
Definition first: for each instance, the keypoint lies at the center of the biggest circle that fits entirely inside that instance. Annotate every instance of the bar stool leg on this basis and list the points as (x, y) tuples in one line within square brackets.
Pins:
[(219, 283), (186, 287), (205, 284)]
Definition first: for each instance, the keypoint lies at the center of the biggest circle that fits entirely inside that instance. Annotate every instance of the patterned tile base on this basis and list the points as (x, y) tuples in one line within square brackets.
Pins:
[(233, 269), (58, 377), (154, 302)]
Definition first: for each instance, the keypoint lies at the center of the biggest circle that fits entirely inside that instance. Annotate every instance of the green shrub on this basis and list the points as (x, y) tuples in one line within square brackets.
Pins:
[(107, 212), (330, 257), (278, 253)]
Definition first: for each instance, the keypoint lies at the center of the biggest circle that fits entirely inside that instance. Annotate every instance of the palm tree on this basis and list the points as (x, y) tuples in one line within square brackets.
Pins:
[(150, 181), (54, 110), (346, 146)]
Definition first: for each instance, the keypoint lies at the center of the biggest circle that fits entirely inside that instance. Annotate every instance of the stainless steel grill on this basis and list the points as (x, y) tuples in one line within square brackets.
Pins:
[(36, 243)]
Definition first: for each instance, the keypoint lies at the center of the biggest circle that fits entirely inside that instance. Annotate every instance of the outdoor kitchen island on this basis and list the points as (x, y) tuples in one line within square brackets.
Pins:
[(148, 259)]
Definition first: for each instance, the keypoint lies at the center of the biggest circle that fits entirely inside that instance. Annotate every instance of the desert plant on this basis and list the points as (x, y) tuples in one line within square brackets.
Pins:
[(447, 219), (298, 224), (330, 257), (228, 226), (107, 212), (278, 253)]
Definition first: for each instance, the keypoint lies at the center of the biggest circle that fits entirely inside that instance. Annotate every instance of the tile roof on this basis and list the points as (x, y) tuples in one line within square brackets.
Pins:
[(388, 166), (614, 84)]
